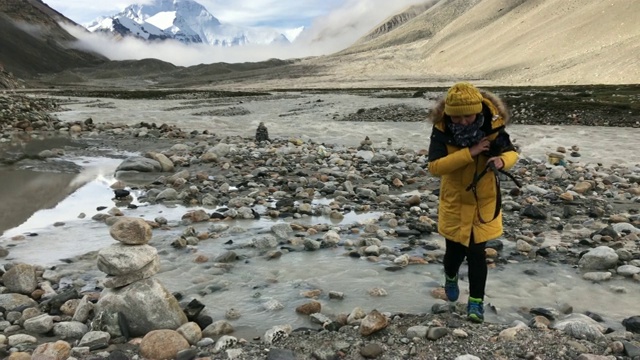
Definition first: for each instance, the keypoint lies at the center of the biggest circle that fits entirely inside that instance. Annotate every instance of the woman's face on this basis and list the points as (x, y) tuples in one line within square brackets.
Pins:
[(463, 120)]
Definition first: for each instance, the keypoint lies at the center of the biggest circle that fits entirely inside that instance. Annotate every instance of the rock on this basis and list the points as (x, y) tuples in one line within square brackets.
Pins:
[(20, 278), (628, 270), (533, 212), (139, 163), (580, 327), (162, 344), (196, 216), (191, 332), (437, 332), (224, 342), (631, 349), (166, 165), (600, 258), (220, 327), (282, 231), (262, 134), (418, 331), (632, 324), (12, 302), (39, 325), (95, 340), (131, 231), (373, 322), (277, 333), (309, 308), (70, 329), (371, 351), (597, 276), (146, 272), (582, 187), (59, 350), (121, 259), (146, 304)]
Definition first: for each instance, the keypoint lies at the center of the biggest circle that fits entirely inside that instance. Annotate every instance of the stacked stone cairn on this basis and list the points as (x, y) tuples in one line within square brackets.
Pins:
[(133, 303)]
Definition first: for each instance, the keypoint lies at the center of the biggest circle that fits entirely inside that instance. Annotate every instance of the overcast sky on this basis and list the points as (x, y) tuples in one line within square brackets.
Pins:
[(331, 25)]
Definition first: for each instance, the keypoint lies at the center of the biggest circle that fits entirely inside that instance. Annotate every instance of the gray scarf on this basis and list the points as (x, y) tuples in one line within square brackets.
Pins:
[(467, 135)]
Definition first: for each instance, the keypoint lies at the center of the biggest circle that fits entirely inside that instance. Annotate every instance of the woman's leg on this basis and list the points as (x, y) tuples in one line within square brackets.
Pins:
[(453, 257), (476, 258)]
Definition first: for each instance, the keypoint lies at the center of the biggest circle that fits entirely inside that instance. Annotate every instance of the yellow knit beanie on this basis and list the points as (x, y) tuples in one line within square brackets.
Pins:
[(463, 99)]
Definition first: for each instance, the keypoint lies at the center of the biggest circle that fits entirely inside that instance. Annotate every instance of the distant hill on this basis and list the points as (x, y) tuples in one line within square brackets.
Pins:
[(32, 42), (522, 42), (489, 42)]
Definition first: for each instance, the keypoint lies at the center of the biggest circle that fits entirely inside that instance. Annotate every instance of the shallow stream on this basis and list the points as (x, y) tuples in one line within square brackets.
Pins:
[(252, 282)]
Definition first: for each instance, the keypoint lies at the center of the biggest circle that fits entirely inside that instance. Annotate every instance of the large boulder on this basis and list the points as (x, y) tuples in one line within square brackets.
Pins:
[(20, 278), (600, 258), (16, 301), (146, 304), (141, 164)]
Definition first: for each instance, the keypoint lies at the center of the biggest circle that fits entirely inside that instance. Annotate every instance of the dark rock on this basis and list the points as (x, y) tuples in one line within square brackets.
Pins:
[(594, 316), (423, 228), (121, 193), (407, 233), (262, 134), (332, 326), (632, 324), (543, 312), (568, 212), (394, 268), (204, 320), (53, 305), (533, 212), (193, 309), (495, 244), (632, 350), (543, 252), (187, 354), (607, 231), (435, 333)]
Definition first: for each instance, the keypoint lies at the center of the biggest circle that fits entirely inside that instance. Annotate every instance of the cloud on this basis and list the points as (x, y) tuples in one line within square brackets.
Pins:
[(292, 13), (327, 34)]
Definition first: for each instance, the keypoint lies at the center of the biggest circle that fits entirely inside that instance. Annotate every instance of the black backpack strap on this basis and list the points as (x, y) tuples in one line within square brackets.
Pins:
[(473, 187)]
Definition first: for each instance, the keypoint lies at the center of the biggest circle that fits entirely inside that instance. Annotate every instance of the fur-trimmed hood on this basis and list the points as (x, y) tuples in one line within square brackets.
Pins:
[(491, 100)]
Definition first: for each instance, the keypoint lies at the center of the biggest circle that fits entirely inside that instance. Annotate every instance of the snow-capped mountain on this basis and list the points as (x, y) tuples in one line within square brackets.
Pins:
[(186, 21)]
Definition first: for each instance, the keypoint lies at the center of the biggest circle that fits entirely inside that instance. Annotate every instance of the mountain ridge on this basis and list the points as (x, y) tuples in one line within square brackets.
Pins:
[(184, 20)]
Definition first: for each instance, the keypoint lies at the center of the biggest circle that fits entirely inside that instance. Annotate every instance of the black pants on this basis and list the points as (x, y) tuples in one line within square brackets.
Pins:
[(476, 259)]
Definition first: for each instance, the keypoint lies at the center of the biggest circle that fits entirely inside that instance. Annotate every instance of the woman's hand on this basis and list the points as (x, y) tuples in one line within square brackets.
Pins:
[(497, 162), (481, 146)]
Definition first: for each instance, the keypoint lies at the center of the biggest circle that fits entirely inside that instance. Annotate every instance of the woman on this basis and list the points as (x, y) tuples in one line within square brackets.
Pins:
[(468, 139)]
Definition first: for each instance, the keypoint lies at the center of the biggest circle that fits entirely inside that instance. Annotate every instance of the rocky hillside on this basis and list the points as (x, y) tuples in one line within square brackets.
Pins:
[(395, 21), (489, 42), (516, 42), (33, 42)]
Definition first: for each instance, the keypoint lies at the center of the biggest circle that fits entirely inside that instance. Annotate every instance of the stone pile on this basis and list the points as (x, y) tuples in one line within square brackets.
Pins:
[(19, 112), (133, 303)]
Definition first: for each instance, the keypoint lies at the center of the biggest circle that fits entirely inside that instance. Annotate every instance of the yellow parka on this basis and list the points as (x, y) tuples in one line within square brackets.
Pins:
[(459, 209)]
